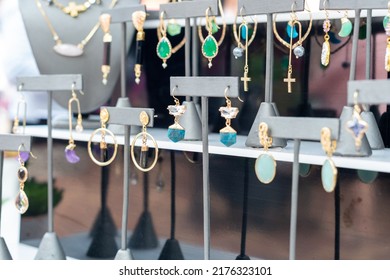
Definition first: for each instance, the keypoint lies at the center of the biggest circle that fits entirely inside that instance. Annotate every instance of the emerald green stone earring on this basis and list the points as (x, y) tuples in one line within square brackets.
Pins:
[(228, 136), (176, 132), (328, 170), (265, 166)]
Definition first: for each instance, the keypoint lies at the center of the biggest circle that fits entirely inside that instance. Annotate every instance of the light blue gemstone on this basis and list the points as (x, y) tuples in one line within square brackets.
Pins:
[(176, 134), (228, 138), (265, 168), (328, 175), (244, 32), (294, 31)]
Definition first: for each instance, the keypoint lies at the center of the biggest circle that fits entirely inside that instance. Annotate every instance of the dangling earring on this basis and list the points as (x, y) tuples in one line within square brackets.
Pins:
[(328, 170), (325, 53), (243, 34), (386, 26), (210, 45), (346, 26), (227, 134), (105, 21), (357, 126), (265, 166), (21, 103), (104, 117), (138, 19), (144, 119), (176, 132), (70, 153)]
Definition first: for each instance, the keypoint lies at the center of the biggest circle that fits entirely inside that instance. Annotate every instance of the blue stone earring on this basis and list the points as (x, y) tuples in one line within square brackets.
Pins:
[(265, 166), (228, 136), (176, 132), (328, 170), (357, 126)]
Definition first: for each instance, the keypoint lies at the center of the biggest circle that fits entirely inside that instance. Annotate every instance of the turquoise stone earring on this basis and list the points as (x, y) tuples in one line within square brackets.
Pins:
[(265, 166), (328, 170), (346, 26), (210, 45), (164, 47), (228, 136), (176, 132), (357, 126)]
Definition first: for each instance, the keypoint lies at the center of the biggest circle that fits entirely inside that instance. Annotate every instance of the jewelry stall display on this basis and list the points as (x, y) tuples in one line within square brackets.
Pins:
[(265, 166), (328, 170), (228, 136), (176, 132), (105, 21), (138, 19)]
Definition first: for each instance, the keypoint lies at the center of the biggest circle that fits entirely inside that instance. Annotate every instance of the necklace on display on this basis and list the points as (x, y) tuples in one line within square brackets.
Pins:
[(73, 9), (70, 50)]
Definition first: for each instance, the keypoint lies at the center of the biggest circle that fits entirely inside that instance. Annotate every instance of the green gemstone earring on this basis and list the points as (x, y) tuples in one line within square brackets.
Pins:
[(176, 132), (346, 26), (328, 170), (325, 52), (265, 166), (228, 136)]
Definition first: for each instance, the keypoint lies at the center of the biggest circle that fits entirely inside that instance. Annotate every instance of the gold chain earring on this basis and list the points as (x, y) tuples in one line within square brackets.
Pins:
[(105, 22), (104, 117), (357, 126), (175, 131), (228, 136), (386, 26), (144, 119), (70, 153), (265, 165), (328, 170), (325, 52), (138, 19), (21, 105)]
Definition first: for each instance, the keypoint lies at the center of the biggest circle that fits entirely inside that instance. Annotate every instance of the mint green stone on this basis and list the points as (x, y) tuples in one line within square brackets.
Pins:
[(385, 21), (210, 47), (265, 168), (173, 29), (346, 27), (228, 138), (328, 175), (214, 27), (164, 48), (304, 169)]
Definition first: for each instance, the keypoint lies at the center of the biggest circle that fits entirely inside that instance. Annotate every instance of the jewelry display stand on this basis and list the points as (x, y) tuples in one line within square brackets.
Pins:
[(304, 129), (123, 15), (267, 108), (187, 10), (50, 247), (9, 142), (205, 87), (127, 117)]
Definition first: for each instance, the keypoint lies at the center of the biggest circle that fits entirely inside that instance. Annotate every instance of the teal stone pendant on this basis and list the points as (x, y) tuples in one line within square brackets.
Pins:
[(265, 168), (367, 176), (329, 175), (210, 48), (176, 132), (164, 50), (291, 30), (228, 136)]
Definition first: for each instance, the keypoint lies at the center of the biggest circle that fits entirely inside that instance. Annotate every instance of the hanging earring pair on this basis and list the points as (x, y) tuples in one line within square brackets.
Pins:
[(265, 165), (105, 22), (357, 126), (70, 153), (228, 136), (138, 19), (144, 135), (243, 42), (328, 170), (210, 45), (386, 26), (104, 117), (176, 132)]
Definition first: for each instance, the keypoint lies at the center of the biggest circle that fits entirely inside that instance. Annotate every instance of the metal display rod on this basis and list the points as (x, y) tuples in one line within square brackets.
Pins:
[(127, 117), (9, 142), (50, 246), (304, 129), (205, 87), (267, 108), (356, 4)]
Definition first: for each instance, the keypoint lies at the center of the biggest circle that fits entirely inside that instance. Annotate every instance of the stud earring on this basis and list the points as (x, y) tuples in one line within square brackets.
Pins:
[(265, 165), (386, 26), (138, 19), (105, 21), (104, 117), (176, 132), (243, 35), (357, 126), (70, 153), (21, 105), (346, 26), (328, 170), (227, 134), (144, 119), (325, 52)]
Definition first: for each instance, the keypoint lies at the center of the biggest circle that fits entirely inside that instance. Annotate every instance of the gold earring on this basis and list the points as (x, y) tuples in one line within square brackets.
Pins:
[(104, 117), (325, 52), (144, 119), (227, 134), (265, 165), (175, 131), (357, 126), (138, 19), (105, 21), (21, 103), (328, 170)]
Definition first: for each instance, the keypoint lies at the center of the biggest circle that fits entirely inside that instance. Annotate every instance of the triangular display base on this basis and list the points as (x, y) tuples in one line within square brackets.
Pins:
[(103, 245), (144, 235), (242, 258), (50, 248), (171, 251), (124, 255), (105, 222)]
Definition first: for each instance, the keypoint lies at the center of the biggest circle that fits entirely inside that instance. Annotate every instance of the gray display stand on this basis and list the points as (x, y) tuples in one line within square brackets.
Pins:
[(205, 87), (122, 15), (127, 117), (9, 142), (267, 108), (304, 129), (187, 10), (50, 246)]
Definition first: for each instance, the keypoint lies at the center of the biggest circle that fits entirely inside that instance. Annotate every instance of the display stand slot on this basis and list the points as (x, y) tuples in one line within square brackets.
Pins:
[(370, 92), (304, 129), (50, 246), (205, 87), (353, 5)]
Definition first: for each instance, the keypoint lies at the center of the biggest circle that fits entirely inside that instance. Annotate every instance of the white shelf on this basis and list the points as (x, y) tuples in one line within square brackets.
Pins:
[(310, 152)]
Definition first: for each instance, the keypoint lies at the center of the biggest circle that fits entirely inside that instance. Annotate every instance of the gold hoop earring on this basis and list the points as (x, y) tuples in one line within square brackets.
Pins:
[(228, 136), (104, 117), (328, 170), (21, 103), (176, 132), (105, 21), (144, 119)]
